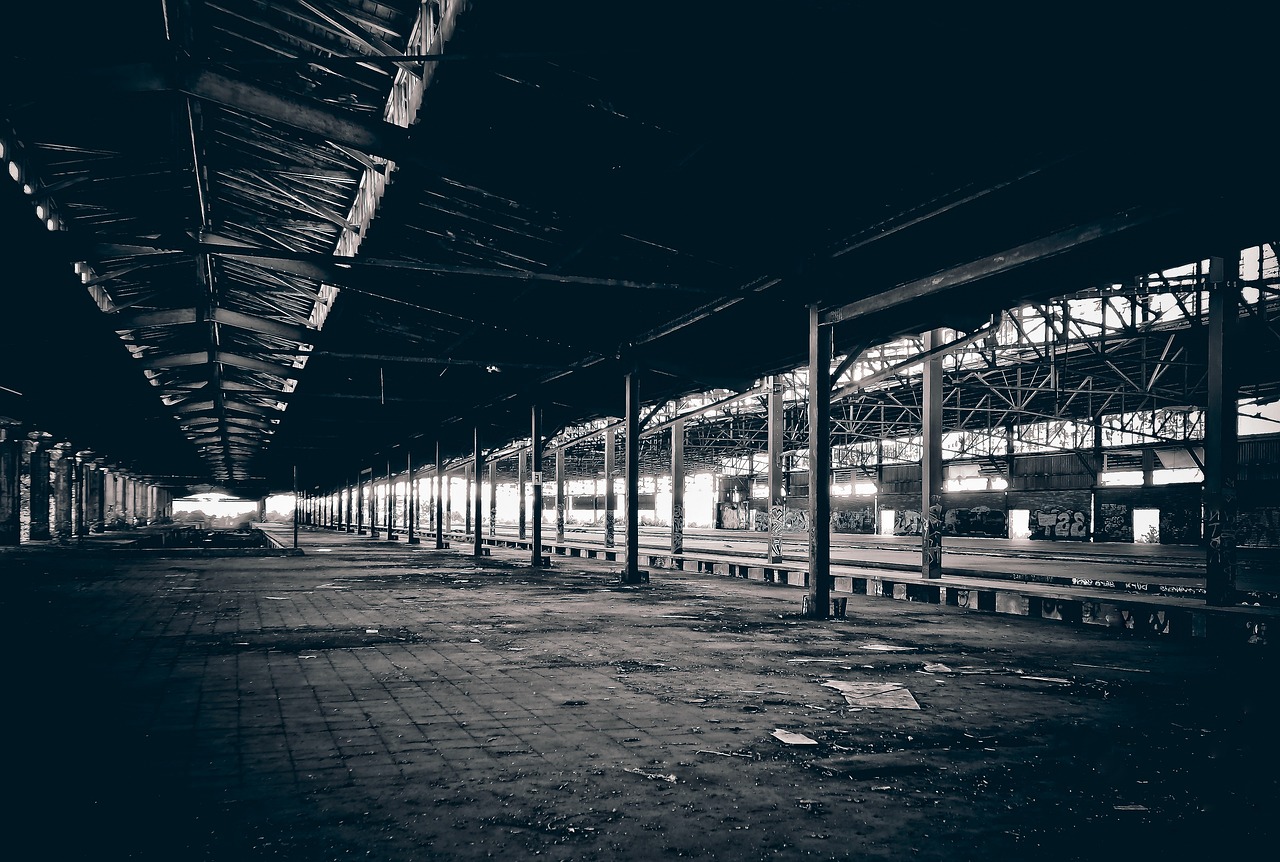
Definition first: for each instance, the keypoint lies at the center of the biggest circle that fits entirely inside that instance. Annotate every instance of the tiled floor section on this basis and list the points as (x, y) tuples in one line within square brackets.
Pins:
[(374, 701)]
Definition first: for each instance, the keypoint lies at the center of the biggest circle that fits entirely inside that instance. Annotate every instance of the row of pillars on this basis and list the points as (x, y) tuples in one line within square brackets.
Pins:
[(1220, 469), (51, 491)]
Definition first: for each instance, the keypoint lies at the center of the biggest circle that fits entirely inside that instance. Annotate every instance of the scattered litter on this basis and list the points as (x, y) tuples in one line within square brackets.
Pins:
[(806, 660), (277, 598), (886, 648), (574, 703), (323, 550), (371, 631), (936, 667), (696, 700), (515, 649), (809, 804), (241, 643), (874, 695), (653, 776), (882, 787), (792, 738), (1130, 808), (475, 640), (726, 753), (1112, 667), (306, 656), (1054, 679)]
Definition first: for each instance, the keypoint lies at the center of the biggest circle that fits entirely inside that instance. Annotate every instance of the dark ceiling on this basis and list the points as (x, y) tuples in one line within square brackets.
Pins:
[(588, 188)]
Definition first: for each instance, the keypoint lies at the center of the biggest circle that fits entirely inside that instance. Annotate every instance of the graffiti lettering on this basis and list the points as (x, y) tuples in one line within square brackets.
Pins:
[(677, 528), (1057, 523)]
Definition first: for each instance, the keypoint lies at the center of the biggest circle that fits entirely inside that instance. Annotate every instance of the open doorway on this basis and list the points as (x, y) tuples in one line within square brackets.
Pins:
[(1019, 523), (1146, 526), (887, 517)]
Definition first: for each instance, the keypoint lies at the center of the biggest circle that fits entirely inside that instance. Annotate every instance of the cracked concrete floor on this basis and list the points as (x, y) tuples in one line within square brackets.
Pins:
[(375, 701)]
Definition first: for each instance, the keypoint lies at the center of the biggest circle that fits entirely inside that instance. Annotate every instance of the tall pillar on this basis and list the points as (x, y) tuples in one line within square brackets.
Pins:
[(931, 461), (1221, 430), (493, 498), (10, 486), (359, 504), (677, 492), (412, 515), (632, 574), (777, 498), (78, 528), (520, 483), (466, 499), (448, 503), (391, 504), (819, 595), (38, 470), (63, 458), (610, 497), (93, 498), (535, 467), (296, 506), (560, 500), (439, 501), (479, 497)]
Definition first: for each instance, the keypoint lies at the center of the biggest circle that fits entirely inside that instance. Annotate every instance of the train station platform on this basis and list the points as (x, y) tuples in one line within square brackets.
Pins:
[(376, 700)]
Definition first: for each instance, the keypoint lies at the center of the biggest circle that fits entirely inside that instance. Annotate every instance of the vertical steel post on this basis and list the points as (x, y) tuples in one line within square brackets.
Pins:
[(560, 500), (295, 507), (1221, 432), (439, 478), (631, 574), (931, 461), (391, 503), (819, 596), (479, 495), (520, 491), (536, 469), (777, 499), (493, 498), (610, 495), (677, 493), (411, 513)]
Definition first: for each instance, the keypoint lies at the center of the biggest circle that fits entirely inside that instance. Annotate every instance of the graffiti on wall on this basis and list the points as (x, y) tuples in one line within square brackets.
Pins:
[(860, 520), (907, 523), (1059, 523), (1259, 528), (608, 529), (777, 517), (933, 537), (1117, 522), (976, 521), (677, 528)]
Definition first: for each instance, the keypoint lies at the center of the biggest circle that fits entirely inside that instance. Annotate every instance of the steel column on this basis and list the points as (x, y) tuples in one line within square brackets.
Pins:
[(1221, 430), (931, 463), (677, 492), (412, 515), (479, 496), (520, 482), (610, 497), (631, 574), (819, 595), (493, 498), (560, 500), (777, 497), (10, 487), (439, 500), (536, 468)]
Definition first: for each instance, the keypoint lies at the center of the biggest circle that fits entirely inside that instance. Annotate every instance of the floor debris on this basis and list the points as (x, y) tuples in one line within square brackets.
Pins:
[(886, 648), (653, 776), (874, 695), (793, 738)]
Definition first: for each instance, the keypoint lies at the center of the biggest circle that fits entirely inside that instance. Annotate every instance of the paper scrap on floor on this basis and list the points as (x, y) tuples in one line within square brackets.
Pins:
[(874, 695), (792, 738)]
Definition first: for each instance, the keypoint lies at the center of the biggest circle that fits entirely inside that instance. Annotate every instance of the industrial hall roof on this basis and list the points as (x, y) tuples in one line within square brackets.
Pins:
[(247, 234)]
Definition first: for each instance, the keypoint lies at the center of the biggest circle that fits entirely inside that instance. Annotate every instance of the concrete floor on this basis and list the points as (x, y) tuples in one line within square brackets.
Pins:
[(375, 701)]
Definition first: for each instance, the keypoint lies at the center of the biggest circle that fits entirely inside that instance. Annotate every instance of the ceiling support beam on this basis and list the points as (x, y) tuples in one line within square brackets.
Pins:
[(1006, 261)]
